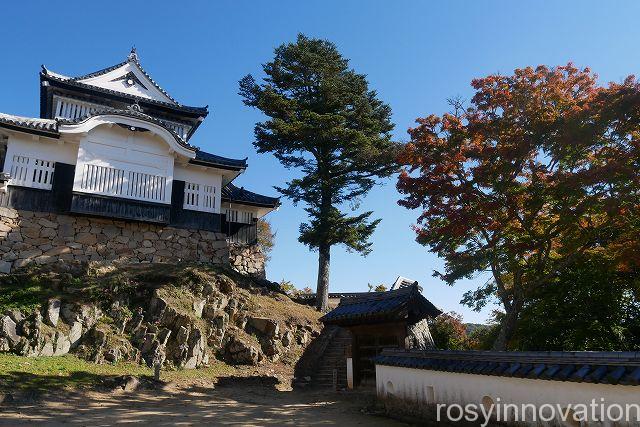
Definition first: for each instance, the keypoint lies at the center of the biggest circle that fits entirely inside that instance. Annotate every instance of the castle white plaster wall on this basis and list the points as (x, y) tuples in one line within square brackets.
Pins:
[(432, 387), (112, 146), (200, 175)]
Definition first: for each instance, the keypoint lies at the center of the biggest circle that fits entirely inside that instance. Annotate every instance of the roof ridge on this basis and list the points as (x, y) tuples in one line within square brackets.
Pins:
[(205, 156), (233, 193), (99, 72), (382, 295)]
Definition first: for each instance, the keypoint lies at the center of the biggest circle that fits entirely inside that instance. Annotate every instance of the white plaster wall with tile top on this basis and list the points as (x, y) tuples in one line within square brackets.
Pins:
[(202, 176), (113, 161), (424, 386)]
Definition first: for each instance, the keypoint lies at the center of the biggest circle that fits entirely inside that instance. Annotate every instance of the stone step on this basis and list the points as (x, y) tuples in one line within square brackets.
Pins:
[(333, 357), (331, 365), (329, 375), (329, 382)]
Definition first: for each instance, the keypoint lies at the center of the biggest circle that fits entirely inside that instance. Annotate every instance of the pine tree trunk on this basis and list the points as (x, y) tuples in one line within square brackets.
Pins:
[(322, 291)]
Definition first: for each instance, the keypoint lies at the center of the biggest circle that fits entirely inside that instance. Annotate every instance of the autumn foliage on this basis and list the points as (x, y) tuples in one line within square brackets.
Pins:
[(540, 168)]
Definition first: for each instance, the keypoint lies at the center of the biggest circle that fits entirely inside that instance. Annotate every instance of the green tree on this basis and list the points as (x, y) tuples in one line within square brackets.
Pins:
[(325, 122), (448, 332), (482, 337), (266, 238), (287, 287), (592, 305)]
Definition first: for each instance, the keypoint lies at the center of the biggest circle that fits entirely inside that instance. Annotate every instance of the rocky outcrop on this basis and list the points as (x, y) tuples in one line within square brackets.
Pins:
[(269, 328), (240, 351), (183, 319), (31, 336), (52, 313)]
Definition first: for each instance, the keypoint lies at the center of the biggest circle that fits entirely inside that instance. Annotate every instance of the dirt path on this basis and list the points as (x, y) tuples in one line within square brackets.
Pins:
[(233, 404)]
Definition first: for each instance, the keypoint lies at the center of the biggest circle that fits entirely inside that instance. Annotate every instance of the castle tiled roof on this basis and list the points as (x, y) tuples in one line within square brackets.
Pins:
[(45, 126), (589, 367), (231, 193), (376, 307), (202, 157), (58, 79), (132, 58), (50, 127)]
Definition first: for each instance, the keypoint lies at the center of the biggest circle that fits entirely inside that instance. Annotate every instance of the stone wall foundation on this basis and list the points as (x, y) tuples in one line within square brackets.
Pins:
[(45, 238), (248, 259)]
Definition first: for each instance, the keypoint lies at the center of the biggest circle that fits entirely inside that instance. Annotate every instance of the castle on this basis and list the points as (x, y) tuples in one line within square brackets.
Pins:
[(108, 173)]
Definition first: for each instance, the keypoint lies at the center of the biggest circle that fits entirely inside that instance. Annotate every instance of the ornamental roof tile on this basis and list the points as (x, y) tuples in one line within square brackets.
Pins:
[(591, 367)]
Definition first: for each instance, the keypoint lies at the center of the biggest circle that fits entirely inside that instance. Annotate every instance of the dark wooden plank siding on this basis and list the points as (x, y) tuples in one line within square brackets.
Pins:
[(246, 234), (57, 200), (28, 199), (63, 176), (119, 208)]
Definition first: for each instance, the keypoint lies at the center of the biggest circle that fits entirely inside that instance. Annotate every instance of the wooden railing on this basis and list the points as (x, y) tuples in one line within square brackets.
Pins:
[(31, 172)]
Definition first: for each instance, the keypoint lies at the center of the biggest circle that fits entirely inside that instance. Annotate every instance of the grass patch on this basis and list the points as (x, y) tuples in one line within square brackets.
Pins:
[(46, 374), (23, 293), (280, 307)]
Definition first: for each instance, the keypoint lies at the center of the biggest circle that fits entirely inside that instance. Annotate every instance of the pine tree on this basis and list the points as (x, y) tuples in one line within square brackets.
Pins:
[(324, 121)]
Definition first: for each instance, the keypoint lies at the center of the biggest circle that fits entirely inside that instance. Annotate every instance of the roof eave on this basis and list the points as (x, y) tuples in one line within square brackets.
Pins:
[(254, 204), (217, 165), (30, 130)]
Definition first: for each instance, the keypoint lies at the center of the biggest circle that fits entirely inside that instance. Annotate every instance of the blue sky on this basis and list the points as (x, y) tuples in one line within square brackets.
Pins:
[(416, 54)]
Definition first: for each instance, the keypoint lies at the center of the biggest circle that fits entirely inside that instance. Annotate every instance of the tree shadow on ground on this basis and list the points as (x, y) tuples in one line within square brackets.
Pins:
[(232, 401), (18, 383)]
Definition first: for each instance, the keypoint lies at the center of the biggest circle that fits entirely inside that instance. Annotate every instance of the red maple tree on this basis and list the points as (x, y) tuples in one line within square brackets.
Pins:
[(539, 168)]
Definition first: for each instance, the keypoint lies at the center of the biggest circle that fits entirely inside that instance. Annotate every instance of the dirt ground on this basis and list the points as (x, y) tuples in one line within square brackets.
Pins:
[(245, 403)]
